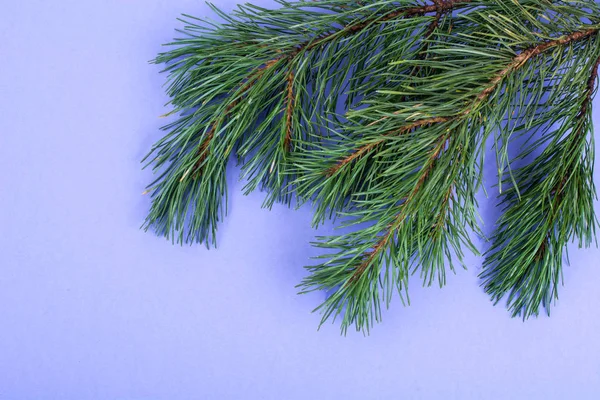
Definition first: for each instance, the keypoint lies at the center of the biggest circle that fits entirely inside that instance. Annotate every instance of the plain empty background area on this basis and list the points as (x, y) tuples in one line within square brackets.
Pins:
[(91, 307)]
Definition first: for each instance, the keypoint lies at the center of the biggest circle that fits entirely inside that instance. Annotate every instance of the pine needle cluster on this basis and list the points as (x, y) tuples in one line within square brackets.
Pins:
[(378, 114)]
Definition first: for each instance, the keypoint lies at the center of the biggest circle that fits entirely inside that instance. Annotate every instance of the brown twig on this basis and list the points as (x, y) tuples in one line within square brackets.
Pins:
[(354, 28), (591, 84), (202, 153), (289, 111), (526, 55), (541, 251), (347, 160), (428, 33), (443, 208), (439, 13)]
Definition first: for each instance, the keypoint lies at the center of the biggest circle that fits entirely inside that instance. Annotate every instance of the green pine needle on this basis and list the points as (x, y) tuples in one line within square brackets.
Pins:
[(378, 113)]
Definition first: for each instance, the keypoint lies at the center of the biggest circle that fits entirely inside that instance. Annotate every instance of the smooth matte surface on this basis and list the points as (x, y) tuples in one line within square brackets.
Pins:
[(93, 308)]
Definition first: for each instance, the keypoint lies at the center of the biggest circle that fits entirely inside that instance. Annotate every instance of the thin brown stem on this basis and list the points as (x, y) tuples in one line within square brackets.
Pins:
[(428, 33), (347, 160), (289, 111), (439, 12), (444, 209), (591, 84), (202, 153), (526, 55)]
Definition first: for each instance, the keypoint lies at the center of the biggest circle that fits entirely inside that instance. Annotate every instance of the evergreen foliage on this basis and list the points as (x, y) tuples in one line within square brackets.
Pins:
[(379, 112)]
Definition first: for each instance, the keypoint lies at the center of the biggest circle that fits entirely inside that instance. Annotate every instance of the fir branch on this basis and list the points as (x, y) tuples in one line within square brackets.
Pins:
[(442, 216), (558, 191), (440, 11), (182, 62)]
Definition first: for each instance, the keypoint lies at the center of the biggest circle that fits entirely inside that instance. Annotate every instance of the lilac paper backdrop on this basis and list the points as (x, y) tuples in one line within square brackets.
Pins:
[(92, 308)]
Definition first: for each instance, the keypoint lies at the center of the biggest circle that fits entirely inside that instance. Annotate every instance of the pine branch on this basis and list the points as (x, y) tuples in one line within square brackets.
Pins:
[(368, 147), (204, 145), (529, 268), (378, 113), (201, 60), (514, 65), (371, 258), (401, 218)]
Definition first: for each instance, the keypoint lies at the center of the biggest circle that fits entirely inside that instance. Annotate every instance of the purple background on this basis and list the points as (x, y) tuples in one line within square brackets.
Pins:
[(93, 308)]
